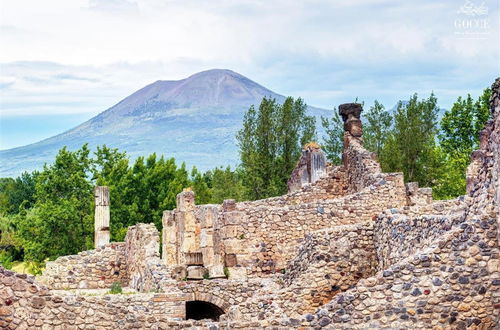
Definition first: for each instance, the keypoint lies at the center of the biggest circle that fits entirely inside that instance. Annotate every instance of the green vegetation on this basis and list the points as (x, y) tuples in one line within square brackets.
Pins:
[(49, 213), (411, 140), (116, 288), (270, 144)]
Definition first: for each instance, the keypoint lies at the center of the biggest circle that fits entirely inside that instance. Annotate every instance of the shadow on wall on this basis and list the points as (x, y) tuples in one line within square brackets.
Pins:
[(200, 310)]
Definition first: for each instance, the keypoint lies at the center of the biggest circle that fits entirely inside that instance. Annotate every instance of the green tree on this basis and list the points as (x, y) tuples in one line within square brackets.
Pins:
[(226, 184), (376, 128), (333, 142), (60, 222), (459, 136), (17, 192), (200, 185), (270, 143), (410, 145)]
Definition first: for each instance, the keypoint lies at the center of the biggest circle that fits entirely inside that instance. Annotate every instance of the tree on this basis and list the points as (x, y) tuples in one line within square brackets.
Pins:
[(17, 192), (270, 143), (459, 136), (377, 127), (333, 142), (200, 184), (106, 162), (60, 222), (226, 184), (410, 145)]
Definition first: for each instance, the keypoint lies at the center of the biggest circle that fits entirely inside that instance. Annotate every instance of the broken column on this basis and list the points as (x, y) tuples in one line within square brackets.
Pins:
[(101, 217), (353, 128), (310, 168)]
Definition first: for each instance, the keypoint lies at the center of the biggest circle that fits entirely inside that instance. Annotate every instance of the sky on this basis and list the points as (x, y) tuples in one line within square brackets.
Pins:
[(62, 62)]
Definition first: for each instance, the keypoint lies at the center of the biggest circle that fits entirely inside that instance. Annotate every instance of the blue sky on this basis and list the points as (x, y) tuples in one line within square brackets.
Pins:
[(63, 62)]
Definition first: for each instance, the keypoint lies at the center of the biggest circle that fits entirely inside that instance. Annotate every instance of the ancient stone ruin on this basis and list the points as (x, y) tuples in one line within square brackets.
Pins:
[(348, 247)]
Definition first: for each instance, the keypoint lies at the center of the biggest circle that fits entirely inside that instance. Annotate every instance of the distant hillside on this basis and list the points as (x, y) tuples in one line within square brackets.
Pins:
[(194, 120)]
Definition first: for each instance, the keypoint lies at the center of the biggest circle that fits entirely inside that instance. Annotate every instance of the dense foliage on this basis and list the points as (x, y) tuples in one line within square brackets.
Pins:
[(50, 213), (435, 153), (270, 144)]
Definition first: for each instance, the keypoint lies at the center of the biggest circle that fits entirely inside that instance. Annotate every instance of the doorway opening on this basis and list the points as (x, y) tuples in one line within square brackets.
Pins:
[(199, 310)]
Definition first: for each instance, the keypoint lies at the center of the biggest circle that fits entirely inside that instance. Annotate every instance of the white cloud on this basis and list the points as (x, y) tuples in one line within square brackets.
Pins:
[(93, 53)]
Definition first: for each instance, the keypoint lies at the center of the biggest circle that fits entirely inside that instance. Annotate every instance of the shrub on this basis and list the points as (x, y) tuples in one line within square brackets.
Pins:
[(5, 260), (116, 288)]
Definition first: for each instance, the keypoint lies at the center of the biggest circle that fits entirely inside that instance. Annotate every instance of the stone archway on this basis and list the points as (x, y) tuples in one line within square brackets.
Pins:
[(199, 310)]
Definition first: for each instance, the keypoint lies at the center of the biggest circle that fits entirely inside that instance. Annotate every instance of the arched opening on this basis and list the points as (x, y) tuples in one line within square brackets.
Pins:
[(199, 310)]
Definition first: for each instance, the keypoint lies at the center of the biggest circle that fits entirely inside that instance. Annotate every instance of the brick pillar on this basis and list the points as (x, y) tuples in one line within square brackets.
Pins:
[(101, 217)]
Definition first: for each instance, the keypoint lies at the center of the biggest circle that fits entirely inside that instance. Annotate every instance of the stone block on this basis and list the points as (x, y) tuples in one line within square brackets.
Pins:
[(196, 272), (230, 260)]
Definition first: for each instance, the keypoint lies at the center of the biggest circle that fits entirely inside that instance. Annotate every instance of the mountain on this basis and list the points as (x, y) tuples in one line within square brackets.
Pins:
[(194, 120)]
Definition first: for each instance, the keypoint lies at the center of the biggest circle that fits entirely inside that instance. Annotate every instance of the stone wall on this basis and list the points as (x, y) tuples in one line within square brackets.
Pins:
[(92, 269), (452, 281), (398, 236), (330, 186), (361, 165), (24, 304), (261, 237), (270, 236), (145, 269), (310, 168), (328, 262)]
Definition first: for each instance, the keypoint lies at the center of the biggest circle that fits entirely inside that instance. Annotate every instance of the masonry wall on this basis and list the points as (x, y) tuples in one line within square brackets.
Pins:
[(332, 185), (25, 304), (328, 262), (92, 269), (454, 282), (398, 236), (271, 235), (145, 269)]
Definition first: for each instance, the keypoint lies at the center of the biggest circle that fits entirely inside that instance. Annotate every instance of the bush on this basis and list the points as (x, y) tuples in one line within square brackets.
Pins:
[(35, 267), (5, 260), (116, 288)]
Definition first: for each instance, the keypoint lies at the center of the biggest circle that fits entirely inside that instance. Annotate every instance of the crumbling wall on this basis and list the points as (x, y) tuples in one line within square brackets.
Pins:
[(92, 269), (256, 238), (398, 236), (332, 185), (144, 266), (271, 235), (310, 168), (25, 304), (361, 165), (328, 262), (191, 238), (454, 282)]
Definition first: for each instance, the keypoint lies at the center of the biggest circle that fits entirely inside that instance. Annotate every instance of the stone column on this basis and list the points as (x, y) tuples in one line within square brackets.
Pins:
[(169, 237), (351, 114), (101, 217)]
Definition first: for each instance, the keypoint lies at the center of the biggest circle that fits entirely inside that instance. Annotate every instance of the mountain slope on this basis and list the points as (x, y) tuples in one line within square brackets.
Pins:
[(194, 120)]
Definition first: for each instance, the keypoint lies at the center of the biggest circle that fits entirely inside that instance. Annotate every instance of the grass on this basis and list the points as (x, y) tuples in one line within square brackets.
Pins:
[(27, 267)]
